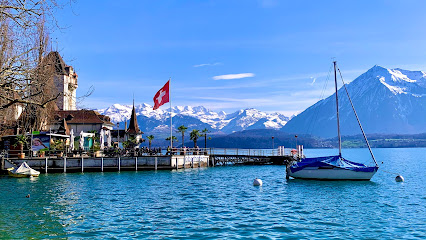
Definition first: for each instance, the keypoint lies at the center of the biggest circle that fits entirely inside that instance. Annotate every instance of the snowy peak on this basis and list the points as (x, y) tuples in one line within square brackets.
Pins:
[(386, 101), (220, 121), (397, 81)]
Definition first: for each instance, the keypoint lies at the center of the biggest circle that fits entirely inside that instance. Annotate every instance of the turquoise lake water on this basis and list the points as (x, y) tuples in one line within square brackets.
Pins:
[(220, 203)]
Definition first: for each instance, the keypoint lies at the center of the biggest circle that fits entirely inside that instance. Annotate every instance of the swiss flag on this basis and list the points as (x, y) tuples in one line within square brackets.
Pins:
[(162, 96)]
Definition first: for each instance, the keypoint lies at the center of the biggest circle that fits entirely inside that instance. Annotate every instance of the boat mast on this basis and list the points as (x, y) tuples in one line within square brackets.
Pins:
[(337, 111), (359, 122)]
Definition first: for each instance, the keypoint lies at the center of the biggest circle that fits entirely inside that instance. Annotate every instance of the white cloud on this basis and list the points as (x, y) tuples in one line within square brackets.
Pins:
[(233, 76), (207, 64)]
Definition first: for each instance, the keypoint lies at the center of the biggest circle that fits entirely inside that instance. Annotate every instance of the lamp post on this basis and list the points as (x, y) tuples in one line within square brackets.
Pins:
[(296, 140)]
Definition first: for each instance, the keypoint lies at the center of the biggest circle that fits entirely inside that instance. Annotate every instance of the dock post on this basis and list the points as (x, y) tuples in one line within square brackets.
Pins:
[(208, 160), (102, 164), (192, 164), (177, 163), (82, 165), (65, 164), (184, 162), (119, 164), (136, 163), (155, 164), (45, 165)]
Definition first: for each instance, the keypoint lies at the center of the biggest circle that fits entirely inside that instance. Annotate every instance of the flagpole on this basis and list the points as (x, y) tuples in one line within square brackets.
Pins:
[(171, 126)]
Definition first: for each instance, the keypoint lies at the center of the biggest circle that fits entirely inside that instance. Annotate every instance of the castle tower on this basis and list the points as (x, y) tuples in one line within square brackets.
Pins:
[(65, 81)]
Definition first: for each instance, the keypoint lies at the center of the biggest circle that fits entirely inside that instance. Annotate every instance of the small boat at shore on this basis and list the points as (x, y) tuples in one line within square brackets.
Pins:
[(333, 167), (23, 171)]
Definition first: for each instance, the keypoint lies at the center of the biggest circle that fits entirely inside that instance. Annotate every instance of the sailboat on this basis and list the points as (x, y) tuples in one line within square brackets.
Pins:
[(333, 167)]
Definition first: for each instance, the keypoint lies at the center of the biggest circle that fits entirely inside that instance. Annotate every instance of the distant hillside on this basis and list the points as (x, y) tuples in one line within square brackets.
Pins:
[(262, 138), (387, 101)]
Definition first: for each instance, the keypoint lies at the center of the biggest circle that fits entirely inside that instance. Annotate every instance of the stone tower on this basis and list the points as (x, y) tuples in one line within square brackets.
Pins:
[(65, 81)]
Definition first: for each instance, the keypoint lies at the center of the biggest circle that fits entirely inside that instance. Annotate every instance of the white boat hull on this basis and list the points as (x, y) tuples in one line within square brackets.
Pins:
[(330, 174)]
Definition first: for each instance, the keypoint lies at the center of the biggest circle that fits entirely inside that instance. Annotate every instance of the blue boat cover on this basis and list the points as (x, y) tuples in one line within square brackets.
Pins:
[(331, 162)]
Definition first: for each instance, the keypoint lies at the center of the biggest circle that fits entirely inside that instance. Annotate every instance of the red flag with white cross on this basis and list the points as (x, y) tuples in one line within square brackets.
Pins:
[(162, 96)]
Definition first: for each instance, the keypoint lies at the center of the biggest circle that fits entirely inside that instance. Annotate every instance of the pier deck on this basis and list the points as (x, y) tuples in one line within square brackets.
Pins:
[(188, 158)]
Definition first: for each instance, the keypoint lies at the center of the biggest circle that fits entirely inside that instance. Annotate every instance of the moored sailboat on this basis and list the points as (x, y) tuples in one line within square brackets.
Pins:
[(334, 167)]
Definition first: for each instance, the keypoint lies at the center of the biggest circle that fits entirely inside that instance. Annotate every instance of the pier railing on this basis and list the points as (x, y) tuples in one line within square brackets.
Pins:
[(249, 152), (146, 152)]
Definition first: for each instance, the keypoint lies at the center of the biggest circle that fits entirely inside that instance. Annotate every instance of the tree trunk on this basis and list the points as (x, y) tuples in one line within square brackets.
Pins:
[(183, 140)]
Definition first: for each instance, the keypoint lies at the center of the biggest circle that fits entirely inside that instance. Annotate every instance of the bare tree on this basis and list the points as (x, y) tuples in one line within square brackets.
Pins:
[(26, 77)]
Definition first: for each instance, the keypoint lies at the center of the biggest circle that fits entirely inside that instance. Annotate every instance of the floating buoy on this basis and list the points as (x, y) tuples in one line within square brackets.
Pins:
[(257, 182), (399, 178)]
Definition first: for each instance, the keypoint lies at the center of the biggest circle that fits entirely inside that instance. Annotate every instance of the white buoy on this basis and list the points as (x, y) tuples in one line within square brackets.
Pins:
[(257, 182), (399, 178)]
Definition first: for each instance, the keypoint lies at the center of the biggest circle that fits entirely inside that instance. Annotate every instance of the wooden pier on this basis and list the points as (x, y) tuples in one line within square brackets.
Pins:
[(235, 156), (178, 159)]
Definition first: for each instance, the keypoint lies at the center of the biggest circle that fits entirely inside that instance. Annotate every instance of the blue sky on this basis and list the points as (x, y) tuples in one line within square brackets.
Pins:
[(278, 52)]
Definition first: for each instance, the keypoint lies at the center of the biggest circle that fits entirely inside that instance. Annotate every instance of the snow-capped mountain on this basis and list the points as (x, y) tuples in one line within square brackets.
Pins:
[(196, 117), (386, 100)]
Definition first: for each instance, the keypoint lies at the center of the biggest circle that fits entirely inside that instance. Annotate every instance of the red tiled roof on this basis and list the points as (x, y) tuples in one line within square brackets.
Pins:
[(83, 116)]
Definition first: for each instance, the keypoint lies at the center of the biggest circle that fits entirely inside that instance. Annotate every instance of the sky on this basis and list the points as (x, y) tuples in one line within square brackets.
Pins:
[(227, 55)]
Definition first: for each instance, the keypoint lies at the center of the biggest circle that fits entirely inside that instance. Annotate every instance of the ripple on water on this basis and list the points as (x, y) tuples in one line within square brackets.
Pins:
[(216, 203)]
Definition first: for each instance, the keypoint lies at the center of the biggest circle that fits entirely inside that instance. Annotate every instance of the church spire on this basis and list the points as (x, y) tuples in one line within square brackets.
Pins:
[(133, 125)]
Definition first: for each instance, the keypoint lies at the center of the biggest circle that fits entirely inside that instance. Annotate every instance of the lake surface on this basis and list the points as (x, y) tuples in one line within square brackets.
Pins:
[(220, 203)]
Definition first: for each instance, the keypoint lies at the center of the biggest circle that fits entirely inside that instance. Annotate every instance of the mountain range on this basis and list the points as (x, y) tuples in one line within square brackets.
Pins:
[(386, 100), (151, 121)]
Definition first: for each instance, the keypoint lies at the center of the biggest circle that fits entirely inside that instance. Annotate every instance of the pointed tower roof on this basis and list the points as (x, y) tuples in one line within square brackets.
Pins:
[(133, 125), (55, 59)]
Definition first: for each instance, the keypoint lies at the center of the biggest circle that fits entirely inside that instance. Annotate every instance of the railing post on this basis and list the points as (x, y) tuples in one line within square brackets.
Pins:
[(65, 164), (136, 163), (45, 165), (155, 164), (82, 164), (102, 164), (177, 163), (184, 162), (119, 164)]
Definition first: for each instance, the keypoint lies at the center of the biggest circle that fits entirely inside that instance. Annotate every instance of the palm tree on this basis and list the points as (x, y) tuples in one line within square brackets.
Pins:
[(182, 130), (20, 141), (150, 137), (204, 134), (174, 139), (194, 136)]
